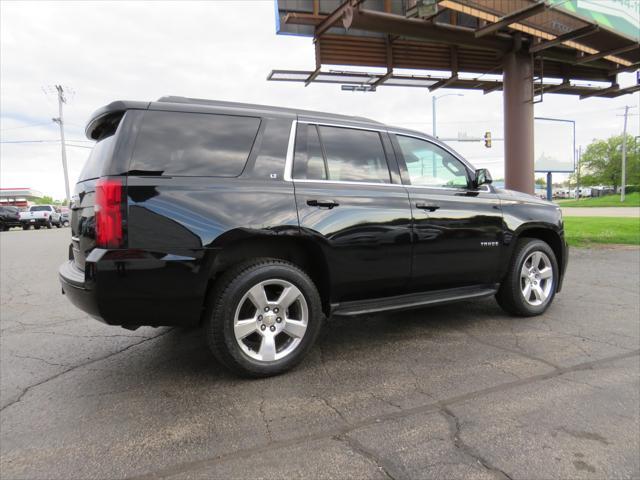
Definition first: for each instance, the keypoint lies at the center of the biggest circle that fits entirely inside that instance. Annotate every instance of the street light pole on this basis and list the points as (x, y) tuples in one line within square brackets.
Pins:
[(433, 107)]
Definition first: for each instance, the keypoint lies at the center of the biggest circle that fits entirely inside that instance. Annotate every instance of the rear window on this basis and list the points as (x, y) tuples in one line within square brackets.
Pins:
[(193, 144), (99, 156), (41, 208)]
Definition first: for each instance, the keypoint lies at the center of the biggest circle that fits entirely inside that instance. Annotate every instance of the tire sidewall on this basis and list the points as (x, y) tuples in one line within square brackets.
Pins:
[(223, 316), (530, 247)]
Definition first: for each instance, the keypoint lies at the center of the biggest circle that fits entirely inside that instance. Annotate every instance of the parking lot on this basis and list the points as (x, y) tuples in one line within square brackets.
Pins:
[(460, 391)]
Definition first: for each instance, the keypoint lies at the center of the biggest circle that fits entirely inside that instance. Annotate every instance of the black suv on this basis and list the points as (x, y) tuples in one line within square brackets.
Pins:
[(258, 222), (9, 217)]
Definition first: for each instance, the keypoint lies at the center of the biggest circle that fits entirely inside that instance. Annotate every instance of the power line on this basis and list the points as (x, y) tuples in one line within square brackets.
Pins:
[(26, 126), (45, 141)]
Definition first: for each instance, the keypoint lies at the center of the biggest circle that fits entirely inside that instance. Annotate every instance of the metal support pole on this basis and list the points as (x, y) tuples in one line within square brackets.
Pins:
[(60, 121), (549, 186), (518, 122), (624, 154), (433, 115), (433, 129), (578, 172)]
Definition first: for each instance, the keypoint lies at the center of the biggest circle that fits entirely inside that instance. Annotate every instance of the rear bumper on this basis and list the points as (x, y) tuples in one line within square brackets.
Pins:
[(10, 223), (74, 287), (35, 221), (133, 288)]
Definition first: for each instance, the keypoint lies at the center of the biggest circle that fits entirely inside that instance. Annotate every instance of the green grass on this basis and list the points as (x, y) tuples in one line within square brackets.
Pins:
[(630, 200), (582, 231)]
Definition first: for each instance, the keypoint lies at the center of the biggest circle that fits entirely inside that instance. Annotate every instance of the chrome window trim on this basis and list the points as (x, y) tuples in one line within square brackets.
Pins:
[(288, 165), (340, 125)]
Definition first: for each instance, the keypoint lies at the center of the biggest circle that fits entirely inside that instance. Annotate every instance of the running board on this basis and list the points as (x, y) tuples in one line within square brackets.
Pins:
[(413, 300)]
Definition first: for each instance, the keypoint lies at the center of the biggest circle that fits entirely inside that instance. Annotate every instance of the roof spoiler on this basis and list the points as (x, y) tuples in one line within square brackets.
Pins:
[(103, 116)]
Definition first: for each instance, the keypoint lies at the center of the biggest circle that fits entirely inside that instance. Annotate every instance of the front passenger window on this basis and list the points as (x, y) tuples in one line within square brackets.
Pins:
[(431, 166)]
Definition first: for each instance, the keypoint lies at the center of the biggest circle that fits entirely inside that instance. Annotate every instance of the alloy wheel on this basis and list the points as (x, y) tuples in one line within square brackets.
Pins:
[(271, 320), (536, 278)]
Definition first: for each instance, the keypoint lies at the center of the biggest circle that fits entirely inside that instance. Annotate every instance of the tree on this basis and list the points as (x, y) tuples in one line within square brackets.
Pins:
[(601, 162), (541, 182), (47, 200)]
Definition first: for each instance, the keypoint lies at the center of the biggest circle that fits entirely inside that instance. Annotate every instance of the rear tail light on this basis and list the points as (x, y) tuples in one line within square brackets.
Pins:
[(108, 210)]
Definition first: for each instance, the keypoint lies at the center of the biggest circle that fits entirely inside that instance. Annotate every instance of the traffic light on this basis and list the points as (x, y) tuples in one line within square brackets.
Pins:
[(487, 139)]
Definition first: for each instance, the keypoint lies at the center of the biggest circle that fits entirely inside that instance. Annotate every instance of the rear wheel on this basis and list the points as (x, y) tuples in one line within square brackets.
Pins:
[(37, 227), (49, 224), (529, 287), (263, 317), (26, 227)]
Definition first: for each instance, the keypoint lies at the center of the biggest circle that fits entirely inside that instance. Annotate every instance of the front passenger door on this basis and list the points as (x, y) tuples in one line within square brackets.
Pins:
[(457, 229)]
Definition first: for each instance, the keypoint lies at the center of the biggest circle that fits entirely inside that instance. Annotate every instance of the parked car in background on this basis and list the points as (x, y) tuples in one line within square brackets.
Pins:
[(41, 216), (65, 217), (9, 217), (258, 222)]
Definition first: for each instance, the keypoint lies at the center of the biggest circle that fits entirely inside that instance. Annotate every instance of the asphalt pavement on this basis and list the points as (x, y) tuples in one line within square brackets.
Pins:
[(458, 391)]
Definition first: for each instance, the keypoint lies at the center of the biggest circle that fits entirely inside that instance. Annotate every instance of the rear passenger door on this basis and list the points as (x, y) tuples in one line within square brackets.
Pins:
[(351, 203)]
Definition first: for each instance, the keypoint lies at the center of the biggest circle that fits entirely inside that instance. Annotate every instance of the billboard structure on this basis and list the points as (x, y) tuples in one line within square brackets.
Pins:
[(524, 48), (554, 148), (554, 145)]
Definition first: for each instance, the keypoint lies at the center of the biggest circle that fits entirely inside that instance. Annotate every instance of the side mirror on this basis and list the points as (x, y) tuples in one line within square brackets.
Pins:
[(483, 177)]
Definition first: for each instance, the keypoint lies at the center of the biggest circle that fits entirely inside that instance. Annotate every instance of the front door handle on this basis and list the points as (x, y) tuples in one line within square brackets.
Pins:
[(428, 207), (323, 203)]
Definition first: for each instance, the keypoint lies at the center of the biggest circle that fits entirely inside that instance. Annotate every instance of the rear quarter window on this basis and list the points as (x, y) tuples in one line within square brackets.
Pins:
[(193, 144)]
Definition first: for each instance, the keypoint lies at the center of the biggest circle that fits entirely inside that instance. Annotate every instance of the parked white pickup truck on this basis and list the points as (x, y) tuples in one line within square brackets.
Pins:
[(41, 216)]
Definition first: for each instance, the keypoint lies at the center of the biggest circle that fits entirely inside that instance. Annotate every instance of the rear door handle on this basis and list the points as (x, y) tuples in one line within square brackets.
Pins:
[(323, 203), (426, 206)]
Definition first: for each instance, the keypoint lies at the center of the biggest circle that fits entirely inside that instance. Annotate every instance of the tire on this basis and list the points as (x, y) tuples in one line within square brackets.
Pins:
[(529, 262), (48, 224), (36, 227), (26, 227), (65, 223), (234, 298)]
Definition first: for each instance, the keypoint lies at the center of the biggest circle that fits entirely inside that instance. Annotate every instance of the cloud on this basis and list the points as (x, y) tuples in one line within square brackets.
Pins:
[(222, 50)]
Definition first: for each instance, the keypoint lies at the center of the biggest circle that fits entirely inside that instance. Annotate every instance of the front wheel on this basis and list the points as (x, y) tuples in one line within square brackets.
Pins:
[(530, 285), (263, 317)]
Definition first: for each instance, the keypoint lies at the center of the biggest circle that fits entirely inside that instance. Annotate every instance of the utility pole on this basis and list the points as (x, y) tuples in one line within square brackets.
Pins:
[(578, 172), (624, 153), (60, 122)]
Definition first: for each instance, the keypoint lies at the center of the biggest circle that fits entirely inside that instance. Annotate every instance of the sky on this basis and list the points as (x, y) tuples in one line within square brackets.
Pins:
[(105, 51)]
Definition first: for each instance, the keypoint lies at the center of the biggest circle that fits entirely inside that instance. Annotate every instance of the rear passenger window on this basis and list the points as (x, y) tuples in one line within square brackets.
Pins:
[(309, 162), (193, 144), (354, 155), (346, 154)]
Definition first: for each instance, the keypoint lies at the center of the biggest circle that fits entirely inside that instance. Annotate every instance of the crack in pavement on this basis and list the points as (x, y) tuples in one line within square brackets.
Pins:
[(518, 351), (264, 419), (338, 412), (28, 357), (35, 385), (357, 447), (456, 429), (434, 407)]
